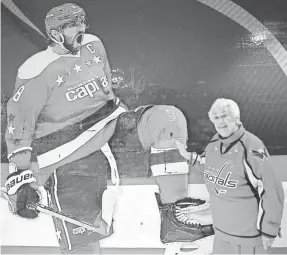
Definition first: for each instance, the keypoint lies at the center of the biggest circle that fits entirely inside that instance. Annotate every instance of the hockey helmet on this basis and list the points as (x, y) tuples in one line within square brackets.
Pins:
[(62, 15)]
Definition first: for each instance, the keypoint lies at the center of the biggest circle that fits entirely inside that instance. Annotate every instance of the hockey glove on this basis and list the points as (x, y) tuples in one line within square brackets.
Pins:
[(21, 191)]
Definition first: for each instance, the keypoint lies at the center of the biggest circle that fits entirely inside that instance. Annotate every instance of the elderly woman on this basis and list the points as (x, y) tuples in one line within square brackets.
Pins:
[(246, 198)]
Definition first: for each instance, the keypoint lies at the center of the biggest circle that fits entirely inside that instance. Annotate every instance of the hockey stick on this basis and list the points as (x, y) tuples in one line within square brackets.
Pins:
[(101, 229), (63, 216)]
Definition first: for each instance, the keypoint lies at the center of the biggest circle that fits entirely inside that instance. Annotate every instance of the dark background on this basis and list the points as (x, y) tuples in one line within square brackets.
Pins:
[(178, 52)]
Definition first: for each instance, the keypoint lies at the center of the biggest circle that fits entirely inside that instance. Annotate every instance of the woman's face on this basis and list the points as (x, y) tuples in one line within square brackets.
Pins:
[(224, 122)]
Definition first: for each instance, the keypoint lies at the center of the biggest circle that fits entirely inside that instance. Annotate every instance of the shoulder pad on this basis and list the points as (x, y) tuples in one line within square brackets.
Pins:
[(36, 64), (90, 38), (252, 140), (255, 146)]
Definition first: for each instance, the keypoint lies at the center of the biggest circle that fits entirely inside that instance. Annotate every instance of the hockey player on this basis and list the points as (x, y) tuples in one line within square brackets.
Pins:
[(63, 110), (246, 197)]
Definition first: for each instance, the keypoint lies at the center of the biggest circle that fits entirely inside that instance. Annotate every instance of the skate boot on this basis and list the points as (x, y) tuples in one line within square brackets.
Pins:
[(177, 226), (193, 208)]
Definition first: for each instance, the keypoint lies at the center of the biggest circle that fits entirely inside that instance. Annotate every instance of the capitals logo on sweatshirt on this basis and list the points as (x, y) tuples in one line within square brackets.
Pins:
[(219, 181)]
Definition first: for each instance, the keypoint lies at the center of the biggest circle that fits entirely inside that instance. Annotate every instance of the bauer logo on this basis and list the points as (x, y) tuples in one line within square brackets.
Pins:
[(25, 177)]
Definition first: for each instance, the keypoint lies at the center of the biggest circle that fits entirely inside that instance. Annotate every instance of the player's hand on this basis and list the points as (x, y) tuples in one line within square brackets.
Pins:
[(182, 149), (21, 191), (267, 241)]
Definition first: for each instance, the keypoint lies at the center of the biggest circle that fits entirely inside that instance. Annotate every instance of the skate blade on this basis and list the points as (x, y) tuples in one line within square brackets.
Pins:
[(201, 246)]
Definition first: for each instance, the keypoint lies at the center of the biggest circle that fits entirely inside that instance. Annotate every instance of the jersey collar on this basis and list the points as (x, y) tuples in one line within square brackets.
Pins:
[(236, 136), (66, 55)]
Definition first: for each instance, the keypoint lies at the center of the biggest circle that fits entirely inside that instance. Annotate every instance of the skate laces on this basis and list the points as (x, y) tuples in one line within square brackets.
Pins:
[(183, 218), (184, 211), (189, 207)]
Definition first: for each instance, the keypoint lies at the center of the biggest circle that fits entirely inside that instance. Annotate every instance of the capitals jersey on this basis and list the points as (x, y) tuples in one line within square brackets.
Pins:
[(246, 197), (54, 91)]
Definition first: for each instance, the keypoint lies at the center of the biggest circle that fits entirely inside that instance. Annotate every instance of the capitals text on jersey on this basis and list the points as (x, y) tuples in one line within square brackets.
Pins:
[(219, 180), (224, 182), (86, 88)]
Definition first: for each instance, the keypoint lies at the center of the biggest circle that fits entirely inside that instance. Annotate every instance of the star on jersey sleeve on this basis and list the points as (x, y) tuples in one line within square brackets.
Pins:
[(23, 109)]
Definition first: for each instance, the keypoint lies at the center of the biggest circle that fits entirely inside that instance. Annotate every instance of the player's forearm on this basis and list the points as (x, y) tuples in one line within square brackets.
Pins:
[(19, 152), (21, 122), (23, 161)]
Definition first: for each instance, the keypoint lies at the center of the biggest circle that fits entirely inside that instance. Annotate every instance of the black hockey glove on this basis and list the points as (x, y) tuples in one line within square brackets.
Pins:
[(21, 191)]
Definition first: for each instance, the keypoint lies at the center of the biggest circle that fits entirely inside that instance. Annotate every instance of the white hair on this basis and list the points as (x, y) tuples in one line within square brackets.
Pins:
[(224, 104)]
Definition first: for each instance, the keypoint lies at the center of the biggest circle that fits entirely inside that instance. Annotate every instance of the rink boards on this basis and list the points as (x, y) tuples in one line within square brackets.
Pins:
[(137, 220)]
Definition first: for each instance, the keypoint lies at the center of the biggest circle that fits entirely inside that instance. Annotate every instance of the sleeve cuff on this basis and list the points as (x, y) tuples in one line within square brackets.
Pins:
[(270, 231), (268, 235)]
